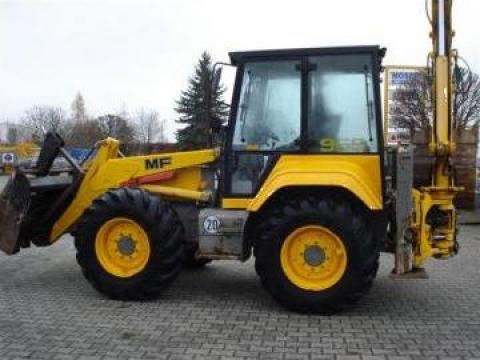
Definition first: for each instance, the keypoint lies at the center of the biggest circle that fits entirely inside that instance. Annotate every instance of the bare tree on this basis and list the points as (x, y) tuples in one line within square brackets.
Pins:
[(149, 127), (116, 126), (412, 103), (411, 107), (12, 135), (44, 118), (84, 134), (17, 133), (466, 106), (79, 113)]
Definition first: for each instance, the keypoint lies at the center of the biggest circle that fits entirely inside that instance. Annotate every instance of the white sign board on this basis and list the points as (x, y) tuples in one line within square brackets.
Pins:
[(396, 83), (8, 158)]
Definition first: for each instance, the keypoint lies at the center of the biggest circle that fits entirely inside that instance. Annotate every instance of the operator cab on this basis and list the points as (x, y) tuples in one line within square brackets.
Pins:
[(300, 101)]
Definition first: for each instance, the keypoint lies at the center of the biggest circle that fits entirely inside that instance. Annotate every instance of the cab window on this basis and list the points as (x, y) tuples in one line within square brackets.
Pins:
[(268, 115), (341, 104)]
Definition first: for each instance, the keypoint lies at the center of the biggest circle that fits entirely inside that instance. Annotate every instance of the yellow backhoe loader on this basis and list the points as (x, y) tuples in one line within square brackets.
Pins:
[(303, 181), (11, 154)]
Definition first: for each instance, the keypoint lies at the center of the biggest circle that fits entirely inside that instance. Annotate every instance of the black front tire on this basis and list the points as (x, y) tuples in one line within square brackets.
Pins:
[(165, 236), (341, 217)]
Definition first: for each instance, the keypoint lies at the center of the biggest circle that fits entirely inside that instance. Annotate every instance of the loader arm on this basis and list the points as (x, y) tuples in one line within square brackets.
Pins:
[(178, 173)]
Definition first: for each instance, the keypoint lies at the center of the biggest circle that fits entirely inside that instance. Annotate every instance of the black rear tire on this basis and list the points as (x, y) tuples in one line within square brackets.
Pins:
[(347, 221), (165, 237)]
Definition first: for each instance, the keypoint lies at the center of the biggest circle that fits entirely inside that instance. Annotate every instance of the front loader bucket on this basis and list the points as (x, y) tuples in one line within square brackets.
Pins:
[(14, 202)]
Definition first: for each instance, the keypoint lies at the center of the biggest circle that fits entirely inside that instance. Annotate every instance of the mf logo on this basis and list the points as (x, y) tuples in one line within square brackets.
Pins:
[(158, 163)]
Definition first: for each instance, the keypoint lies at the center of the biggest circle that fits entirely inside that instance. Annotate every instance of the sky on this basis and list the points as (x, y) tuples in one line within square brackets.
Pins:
[(126, 54)]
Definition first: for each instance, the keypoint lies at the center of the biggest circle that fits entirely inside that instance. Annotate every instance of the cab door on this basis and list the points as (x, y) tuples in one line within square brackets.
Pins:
[(267, 120)]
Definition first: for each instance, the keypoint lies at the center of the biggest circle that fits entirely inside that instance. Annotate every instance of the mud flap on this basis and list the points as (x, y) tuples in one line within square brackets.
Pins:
[(14, 202)]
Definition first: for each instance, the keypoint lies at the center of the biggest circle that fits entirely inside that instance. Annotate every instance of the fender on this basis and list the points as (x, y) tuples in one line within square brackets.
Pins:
[(359, 174)]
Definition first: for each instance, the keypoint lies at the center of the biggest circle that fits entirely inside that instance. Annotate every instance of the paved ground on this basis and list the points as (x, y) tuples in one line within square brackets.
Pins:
[(48, 311)]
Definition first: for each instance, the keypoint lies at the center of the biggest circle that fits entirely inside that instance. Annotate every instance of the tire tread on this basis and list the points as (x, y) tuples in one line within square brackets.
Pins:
[(161, 224)]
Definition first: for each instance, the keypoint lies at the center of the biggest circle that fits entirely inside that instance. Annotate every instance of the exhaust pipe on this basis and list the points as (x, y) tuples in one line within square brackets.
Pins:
[(14, 202)]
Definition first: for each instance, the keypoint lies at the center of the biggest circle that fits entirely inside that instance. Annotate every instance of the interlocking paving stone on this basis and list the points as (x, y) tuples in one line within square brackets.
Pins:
[(48, 311)]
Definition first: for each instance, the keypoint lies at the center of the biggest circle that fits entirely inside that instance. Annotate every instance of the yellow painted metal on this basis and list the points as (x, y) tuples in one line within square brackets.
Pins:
[(8, 169), (188, 178), (107, 172), (441, 139), (122, 247), (235, 203), (438, 241), (328, 266), (178, 192), (359, 174), (22, 151)]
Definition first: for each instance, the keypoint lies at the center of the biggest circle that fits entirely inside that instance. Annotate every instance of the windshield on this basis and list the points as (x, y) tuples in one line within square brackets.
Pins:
[(339, 108), (268, 116)]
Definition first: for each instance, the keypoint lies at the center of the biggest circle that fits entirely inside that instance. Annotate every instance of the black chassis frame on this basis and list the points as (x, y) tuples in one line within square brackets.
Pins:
[(238, 59)]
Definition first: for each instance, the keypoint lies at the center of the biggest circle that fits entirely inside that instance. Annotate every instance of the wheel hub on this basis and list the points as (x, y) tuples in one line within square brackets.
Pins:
[(126, 245), (314, 255), (122, 247)]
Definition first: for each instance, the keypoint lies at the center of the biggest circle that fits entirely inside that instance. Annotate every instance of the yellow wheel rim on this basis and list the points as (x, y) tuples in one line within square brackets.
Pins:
[(313, 258), (122, 247)]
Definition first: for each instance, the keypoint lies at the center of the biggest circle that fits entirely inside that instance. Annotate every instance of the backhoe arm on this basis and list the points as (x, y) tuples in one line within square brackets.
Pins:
[(434, 223)]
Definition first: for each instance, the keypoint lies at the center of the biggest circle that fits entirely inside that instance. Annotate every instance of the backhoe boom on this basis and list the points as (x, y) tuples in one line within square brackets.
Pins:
[(434, 222)]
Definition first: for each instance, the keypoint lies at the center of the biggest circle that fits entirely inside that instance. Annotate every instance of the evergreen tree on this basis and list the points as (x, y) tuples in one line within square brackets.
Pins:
[(201, 107)]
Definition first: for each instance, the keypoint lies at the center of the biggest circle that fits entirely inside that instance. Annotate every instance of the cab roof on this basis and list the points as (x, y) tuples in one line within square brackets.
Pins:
[(242, 56)]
